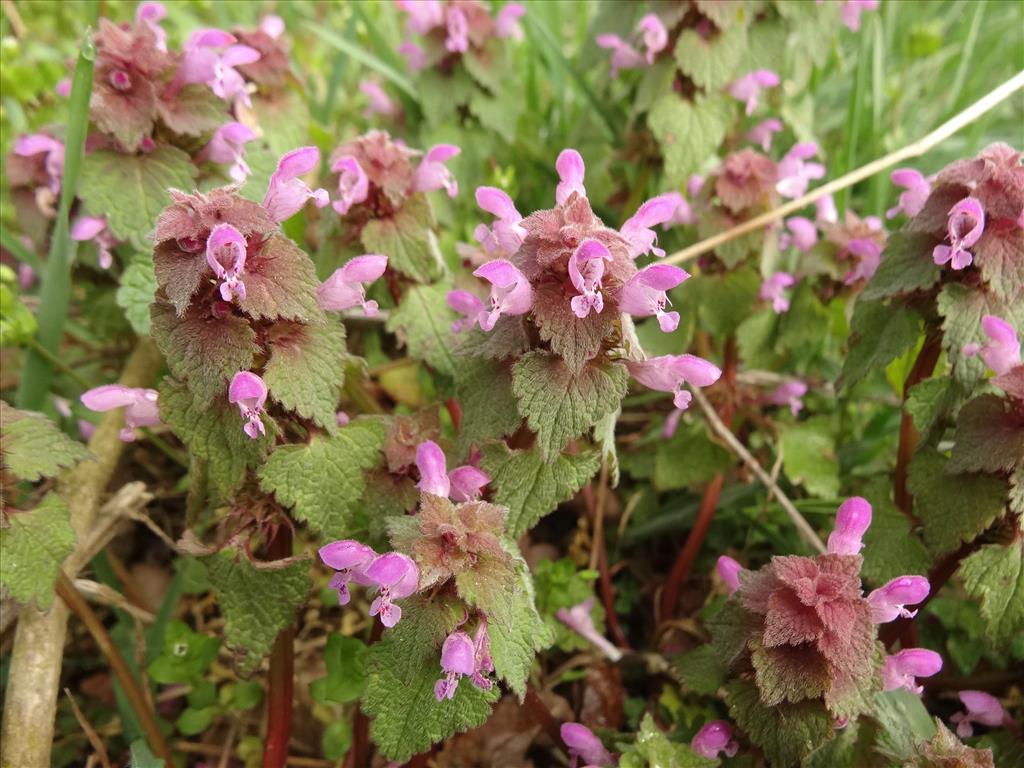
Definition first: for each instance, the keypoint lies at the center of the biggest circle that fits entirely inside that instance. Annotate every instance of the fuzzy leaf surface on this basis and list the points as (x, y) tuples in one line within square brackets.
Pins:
[(33, 447), (688, 133), (306, 368), (280, 282), (484, 389), (34, 546), (879, 334), (989, 436), (787, 732), (423, 323), (995, 576), (407, 239), (135, 294)]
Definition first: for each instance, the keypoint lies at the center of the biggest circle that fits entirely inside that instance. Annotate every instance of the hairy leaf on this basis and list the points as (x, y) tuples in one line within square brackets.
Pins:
[(257, 602), (890, 548), (323, 480), (688, 133), (688, 458), (576, 340), (906, 266), (135, 294), (484, 389), (653, 749), (809, 457), (423, 323), (559, 404), (994, 575), (929, 400), (786, 732), (306, 369), (34, 546), (530, 486), (879, 334), (33, 447), (700, 670), (407, 239), (962, 309), (711, 62), (193, 111), (131, 190), (345, 658), (989, 436), (280, 282)]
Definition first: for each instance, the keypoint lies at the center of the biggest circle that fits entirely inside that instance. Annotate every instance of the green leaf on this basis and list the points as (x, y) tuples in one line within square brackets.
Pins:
[(711, 62), (193, 111), (1000, 257), (34, 545), (995, 576), (33, 447), (323, 480), (306, 369), (401, 671), (142, 756), (962, 308), (688, 458), (559, 585), (202, 350), (135, 294), (507, 339), (345, 658), (193, 721), (484, 389), (560, 405), (131, 190), (890, 548), (989, 436), (337, 739), (530, 486), (280, 283), (929, 400), (879, 334), (903, 723), (214, 434), (497, 113), (407, 238), (786, 732), (653, 749), (256, 603), (906, 266), (952, 508), (725, 300), (701, 670), (186, 655), (423, 323), (244, 695), (809, 457), (689, 133), (576, 340)]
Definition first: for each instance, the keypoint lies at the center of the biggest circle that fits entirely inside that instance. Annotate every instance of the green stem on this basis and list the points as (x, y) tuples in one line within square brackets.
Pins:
[(55, 294), (56, 362), (165, 448)]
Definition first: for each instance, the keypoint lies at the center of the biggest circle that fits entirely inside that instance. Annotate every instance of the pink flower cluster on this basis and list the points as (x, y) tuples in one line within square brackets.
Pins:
[(650, 33), (463, 656), (392, 574), (437, 29)]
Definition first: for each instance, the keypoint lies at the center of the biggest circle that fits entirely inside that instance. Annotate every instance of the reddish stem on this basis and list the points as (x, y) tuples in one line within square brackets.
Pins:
[(709, 502), (359, 753), (281, 678), (542, 716), (605, 578), (922, 369), (455, 411)]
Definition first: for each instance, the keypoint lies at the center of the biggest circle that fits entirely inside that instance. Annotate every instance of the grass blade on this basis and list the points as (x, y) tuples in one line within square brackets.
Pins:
[(10, 242), (55, 293), (354, 51)]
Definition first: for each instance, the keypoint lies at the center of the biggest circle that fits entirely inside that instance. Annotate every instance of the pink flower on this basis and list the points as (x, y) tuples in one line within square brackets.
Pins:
[(965, 226), (584, 745), (345, 288), (713, 738), (729, 572), (397, 576), (226, 253), (228, 146), (982, 708), (888, 601), (424, 15), (800, 233), (341, 418), (286, 192), (682, 214), (140, 406), (40, 143), (272, 26), (748, 88), (671, 424), (378, 102), (579, 620), (624, 56), (511, 293), (95, 228), (467, 304), (465, 483), (853, 518), (458, 30), (637, 229), (506, 234), (694, 185), (151, 14), (825, 208), (202, 63), (917, 190), (432, 173), (482, 662), (763, 132), (869, 256), (794, 173), (645, 294), (654, 34), (1002, 353), (63, 87), (670, 373), (415, 56), (789, 393), (902, 668), (772, 290), (26, 276), (249, 393), (852, 9), (353, 185), (350, 559), (506, 23), (586, 269), (571, 171), (457, 660)]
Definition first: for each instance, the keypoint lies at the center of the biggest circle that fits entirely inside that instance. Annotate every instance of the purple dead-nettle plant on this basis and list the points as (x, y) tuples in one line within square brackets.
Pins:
[(287, 193), (346, 287), (965, 227), (1002, 352), (796, 173), (773, 290), (748, 88), (916, 190), (140, 406), (980, 708), (440, 31), (728, 570), (651, 36), (584, 746), (580, 619), (789, 393), (713, 739), (463, 483), (227, 146), (902, 669), (249, 393), (94, 228)]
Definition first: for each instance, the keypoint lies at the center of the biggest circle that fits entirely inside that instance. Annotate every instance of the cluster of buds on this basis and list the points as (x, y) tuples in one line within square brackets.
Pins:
[(812, 626), (441, 31)]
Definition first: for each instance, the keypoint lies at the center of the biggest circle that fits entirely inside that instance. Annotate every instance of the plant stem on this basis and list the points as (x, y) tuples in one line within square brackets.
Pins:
[(132, 691), (595, 507), (709, 501), (55, 293), (922, 369), (281, 678), (541, 715)]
